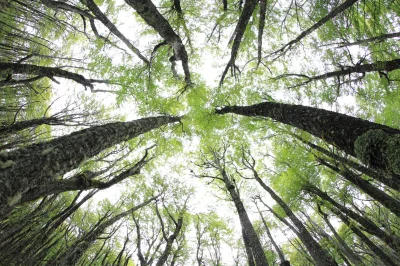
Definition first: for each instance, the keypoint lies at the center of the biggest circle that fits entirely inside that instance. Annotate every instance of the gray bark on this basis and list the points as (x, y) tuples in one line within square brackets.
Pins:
[(33, 166)]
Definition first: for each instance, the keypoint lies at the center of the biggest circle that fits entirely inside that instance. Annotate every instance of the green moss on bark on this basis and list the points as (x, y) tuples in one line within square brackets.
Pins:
[(377, 148)]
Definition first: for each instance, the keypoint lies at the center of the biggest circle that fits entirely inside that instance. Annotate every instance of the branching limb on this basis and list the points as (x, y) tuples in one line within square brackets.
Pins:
[(280, 52), (237, 36)]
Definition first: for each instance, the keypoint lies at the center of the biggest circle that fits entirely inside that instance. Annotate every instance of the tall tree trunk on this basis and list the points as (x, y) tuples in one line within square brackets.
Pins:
[(149, 13), (247, 248), (341, 243), (320, 256), (33, 166), (41, 72), (368, 226), (170, 240), (379, 252), (106, 22), (278, 250), (73, 254), (393, 181), (247, 226), (374, 144), (380, 196)]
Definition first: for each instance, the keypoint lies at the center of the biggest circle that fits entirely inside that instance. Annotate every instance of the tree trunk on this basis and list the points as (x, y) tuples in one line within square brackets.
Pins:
[(73, 254), (393, 181), (278, 250), (35, 165), (379, 252), (374, 144), (380, 196), (255, 245), (341, 243), (41, 71), (247, 247), (368, 225), (320, 256), (247, 226), (149, 13), (170, 240)]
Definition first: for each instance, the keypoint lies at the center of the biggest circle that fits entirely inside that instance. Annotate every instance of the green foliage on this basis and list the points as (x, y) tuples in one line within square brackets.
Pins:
[(32, 33)]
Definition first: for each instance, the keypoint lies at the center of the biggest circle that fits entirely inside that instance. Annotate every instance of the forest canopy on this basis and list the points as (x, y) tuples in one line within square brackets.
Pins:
[(177, 132)]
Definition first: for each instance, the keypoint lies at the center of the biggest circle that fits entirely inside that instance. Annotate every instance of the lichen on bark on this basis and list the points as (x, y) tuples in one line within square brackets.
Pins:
[(377, 148)]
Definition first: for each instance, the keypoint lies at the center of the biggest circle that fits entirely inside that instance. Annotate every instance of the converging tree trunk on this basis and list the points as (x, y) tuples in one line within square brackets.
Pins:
[(320, 256), (73, 254), (380, 196), (284, 262), (248, 229), (369, 226), (372, 246), (33, 166), (374, 144)]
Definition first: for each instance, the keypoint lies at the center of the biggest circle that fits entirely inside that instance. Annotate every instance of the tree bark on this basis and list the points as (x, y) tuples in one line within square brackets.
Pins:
[(41, 71), (389, 202), (392, 182), (379, 38), (247, 226), (35, 165), (248, 9), (278, 250), (73, 254), (82, 181), (148, 11), (320, 256), (368, 225), (103, 18), (374, 144), (170, 239), (379, 252), (341, 243), (345, 5)]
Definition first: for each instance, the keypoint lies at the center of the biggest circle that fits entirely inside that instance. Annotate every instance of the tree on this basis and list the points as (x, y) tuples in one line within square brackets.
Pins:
[(37, 164), (374, 144), (325, 74)]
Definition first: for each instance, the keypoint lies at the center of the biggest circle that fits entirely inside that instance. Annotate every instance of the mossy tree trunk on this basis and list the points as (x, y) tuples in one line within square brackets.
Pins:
[(37, 164), (376, 145)]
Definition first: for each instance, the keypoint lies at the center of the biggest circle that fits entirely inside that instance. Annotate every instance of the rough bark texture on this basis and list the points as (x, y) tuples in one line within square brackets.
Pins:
[(17, 126), (81, 182), (33, 166), (380, 66), (148, 11), (41, 71), (374, 144), (247, 247), (393, 182), (256, 248), (263, 10), (319, 255), (368, 226)]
